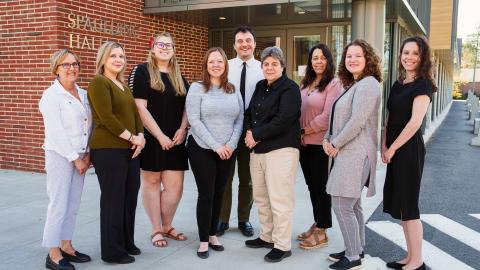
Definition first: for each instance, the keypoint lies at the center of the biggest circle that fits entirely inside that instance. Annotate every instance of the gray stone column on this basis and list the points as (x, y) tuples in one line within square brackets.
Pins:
[(368, 22)]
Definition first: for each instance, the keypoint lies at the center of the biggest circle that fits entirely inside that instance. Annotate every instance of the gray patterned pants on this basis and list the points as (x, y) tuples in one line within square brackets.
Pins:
[(352, 224)]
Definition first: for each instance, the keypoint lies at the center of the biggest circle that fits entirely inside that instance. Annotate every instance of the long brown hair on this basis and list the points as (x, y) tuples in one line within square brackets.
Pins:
[(372, 64), (424, 70), (206, 79), (174, 74)]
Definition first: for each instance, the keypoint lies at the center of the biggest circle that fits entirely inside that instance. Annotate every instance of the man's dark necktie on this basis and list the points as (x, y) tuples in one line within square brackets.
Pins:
[(242, 82)]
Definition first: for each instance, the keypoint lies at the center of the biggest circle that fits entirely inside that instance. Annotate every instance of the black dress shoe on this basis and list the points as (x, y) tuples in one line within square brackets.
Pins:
[(134, 251), (216, 247), (63, 264), (77, 258), (335, 257), (276, 255), (222, 227), (202, 254), (395, 265), (258, 243), (126, 259), (345, 264), (246, 228)]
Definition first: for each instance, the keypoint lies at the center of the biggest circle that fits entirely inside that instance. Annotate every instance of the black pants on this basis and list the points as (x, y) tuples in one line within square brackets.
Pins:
[(119, 179), (211, 174), (314, 164), (245, 196)]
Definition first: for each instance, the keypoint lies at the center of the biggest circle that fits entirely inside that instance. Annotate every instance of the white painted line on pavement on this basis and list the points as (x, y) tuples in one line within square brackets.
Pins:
[(434, 257), (475, 215), (454, 229)]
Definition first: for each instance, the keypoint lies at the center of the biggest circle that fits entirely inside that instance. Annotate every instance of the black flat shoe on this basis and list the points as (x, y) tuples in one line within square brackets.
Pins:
[(395, 265), (216, 247), (77, 258), (258, 243), (422, 267), (63, 264), (335, 257), (276, 255), (246, 228), (134, 251), (202, 254), (222, 227), (345, 264)]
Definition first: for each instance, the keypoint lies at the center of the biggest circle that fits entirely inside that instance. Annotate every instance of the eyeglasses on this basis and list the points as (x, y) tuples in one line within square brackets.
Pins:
[(69, 65), (161, 45)]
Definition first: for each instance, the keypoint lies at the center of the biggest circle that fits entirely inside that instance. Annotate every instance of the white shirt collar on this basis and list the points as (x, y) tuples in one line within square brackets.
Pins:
[(59, 89), (240, 61)]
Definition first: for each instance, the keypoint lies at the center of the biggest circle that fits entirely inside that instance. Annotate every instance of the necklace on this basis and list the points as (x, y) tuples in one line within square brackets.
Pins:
[(310, 90)]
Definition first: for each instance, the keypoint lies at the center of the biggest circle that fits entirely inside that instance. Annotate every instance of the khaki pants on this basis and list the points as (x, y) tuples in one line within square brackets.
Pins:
[(273, 181)]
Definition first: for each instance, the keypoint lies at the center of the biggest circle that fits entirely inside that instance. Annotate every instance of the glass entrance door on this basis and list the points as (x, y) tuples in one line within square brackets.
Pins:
[(268, 38), (301, 41)]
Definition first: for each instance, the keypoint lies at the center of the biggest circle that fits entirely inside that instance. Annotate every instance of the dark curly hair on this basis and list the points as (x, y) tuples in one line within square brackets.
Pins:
[(372, 64), (243, 29), (424, 70), (327, 75)]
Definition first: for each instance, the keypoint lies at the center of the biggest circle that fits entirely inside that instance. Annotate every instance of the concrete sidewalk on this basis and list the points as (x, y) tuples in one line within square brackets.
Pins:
[(23, 203)]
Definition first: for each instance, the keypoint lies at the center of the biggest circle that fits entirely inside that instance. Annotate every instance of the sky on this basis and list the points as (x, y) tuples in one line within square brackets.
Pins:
[(468, 17)]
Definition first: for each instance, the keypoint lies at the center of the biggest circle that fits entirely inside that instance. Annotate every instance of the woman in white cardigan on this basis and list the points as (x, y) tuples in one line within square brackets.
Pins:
[(352, 143), (68, 123)]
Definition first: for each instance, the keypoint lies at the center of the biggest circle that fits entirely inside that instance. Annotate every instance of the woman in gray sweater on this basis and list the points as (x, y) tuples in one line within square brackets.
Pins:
[(215, 113), (352, 142)]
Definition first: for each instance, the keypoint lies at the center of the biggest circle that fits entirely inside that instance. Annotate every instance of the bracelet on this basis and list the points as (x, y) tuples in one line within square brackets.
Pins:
[(130, 138)]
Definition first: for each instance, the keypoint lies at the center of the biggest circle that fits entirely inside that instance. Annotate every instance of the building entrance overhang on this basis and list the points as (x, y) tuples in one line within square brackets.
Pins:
[(161, 6)]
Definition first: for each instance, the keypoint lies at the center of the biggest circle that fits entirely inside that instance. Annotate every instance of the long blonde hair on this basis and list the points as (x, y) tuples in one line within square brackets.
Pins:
[(174, 74), (102, 55)]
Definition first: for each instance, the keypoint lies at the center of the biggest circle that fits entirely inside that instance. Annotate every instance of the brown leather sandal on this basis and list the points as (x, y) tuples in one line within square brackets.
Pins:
[(315, 240), (307, 234), (158, 240), (178, 237)]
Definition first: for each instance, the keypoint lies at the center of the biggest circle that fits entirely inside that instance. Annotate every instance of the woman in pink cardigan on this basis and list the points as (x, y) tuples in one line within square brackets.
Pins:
[(319, 89)]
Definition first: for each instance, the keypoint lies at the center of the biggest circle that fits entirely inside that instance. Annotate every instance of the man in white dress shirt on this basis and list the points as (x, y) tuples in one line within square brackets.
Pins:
[(244, 73)]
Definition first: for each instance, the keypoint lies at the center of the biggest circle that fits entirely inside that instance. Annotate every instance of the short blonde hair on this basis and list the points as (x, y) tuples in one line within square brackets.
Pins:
[(102, 55), (58, 57)]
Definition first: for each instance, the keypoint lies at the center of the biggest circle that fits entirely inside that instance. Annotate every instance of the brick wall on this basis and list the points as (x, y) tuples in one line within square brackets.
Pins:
[(32, 30)]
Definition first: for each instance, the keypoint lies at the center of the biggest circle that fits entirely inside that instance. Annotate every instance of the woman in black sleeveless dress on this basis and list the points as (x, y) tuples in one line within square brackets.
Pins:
[(403, 147), (160, 93)]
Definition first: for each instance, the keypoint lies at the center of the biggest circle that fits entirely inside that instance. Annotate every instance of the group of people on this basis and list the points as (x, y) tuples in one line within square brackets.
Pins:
[(242, 111)]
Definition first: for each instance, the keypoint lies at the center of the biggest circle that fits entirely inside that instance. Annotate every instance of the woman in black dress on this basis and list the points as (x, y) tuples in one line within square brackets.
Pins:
[(160, 91), (403, 148)]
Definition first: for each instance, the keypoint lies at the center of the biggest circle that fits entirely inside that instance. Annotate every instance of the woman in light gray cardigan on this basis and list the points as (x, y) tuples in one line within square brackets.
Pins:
[(352, 143), (215, 113)]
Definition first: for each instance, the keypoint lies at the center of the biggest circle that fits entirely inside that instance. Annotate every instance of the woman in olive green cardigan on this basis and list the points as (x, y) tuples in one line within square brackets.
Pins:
[(117, 140)]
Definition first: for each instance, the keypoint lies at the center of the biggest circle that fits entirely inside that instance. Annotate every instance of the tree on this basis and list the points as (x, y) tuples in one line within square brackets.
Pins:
[(470, 48)]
